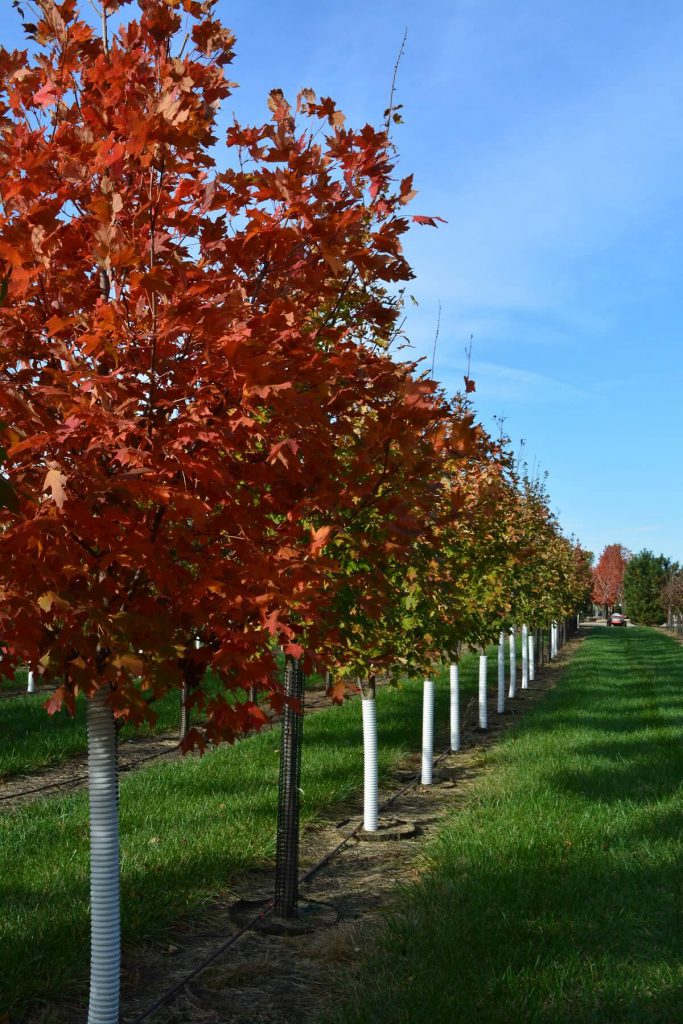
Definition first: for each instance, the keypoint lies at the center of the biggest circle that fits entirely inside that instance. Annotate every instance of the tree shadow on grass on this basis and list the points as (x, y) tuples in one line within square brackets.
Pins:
[(545, 938), (632, 771)]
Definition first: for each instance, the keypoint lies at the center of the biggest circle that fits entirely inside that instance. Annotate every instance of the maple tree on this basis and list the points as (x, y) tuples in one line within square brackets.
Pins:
[(608, 576), (553, 574), (456, 597), (185, 351), (185, 354)]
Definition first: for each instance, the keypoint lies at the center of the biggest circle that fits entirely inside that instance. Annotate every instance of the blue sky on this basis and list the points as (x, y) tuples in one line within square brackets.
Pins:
[(549, 135)]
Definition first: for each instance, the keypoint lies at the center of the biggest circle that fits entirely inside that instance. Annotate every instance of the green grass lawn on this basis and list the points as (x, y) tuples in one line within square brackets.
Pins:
[(188, 830), (556, 895), (30, 739)]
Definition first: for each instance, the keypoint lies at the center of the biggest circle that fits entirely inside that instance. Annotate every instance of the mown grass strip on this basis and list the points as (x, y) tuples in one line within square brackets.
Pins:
[(31, 740), (556, 895), (188, 830)]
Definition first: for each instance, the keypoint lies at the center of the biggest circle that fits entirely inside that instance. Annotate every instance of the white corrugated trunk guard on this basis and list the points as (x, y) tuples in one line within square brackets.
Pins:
[(31, 685), (483, 709), (455, 706), (370, 776), (513, 664), (105, 915), (427, 732), (525, 657), (553, 640), (501, 673), (532, 656)]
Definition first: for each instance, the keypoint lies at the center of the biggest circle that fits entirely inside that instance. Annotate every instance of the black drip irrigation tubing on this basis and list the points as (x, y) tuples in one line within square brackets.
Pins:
[(270, 906), (84, 778)]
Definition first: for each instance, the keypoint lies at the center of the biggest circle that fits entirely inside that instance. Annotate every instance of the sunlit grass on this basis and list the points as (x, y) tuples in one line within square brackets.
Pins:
[(556, 896), (31, 740)]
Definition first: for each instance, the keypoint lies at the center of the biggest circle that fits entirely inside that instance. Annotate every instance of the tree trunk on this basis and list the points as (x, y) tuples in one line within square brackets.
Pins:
[(532, 655), (184, 711), (287, 854), (427, 732), (483, 707), (513, 665), (105, 911), (370, 761), (455, 705), (501, 673)]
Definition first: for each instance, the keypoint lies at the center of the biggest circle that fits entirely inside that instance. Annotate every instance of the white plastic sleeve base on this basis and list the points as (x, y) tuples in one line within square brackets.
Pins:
[(525, 657), (105, 926), (31, 685), (427, 732), (370, 775), (455, 706), (532, 657), (513, 665), (501, 673), (483, 708)]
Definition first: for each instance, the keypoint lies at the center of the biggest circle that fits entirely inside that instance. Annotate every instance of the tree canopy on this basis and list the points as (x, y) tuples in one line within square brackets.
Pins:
[(608, 576), (205, 430)]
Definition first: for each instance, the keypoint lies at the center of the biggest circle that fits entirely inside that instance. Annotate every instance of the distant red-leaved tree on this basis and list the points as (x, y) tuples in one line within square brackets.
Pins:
[(608, 575)]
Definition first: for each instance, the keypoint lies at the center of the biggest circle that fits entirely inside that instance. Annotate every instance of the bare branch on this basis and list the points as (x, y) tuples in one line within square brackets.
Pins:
[(390, 108)]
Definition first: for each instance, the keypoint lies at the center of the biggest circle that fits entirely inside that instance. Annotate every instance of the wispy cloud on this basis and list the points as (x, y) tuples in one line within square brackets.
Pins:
[(499, 383), (567, 181)]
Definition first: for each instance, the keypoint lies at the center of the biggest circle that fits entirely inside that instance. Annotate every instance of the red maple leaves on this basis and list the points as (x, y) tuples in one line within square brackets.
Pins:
[(193, 361), (209, 438)]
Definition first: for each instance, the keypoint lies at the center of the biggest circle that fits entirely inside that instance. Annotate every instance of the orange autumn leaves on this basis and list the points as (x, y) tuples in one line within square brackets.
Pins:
[(209, 438)]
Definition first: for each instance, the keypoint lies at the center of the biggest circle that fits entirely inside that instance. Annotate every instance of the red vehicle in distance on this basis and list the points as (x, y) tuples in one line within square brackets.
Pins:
[(616, 619)]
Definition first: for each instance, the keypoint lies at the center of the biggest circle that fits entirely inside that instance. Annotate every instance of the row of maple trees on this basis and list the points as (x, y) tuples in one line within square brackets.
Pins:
[(206, 433)]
